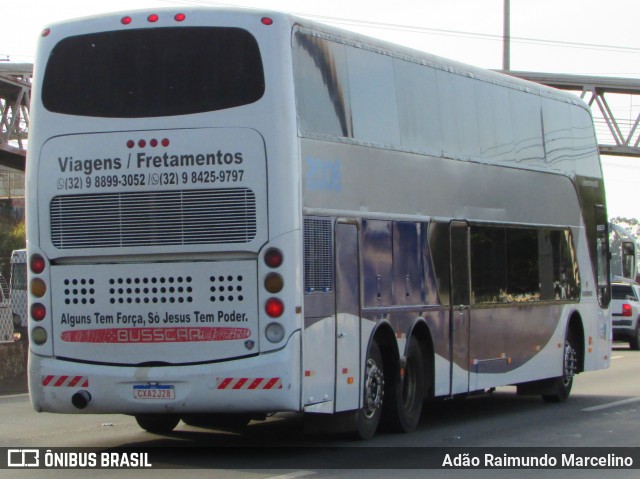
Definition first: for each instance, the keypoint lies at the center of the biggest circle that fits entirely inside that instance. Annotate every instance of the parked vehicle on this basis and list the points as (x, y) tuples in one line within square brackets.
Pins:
[(18, 293), (625, 313), (6, 326)]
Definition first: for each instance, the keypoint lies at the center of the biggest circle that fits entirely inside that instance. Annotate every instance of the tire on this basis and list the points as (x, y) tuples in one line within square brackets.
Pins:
[(634, 342), (368, 416), (157, 423), (563, 384), (404, 407)]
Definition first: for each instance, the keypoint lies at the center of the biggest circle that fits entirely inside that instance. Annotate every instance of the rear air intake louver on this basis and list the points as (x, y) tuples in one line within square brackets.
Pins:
[(155, 218)]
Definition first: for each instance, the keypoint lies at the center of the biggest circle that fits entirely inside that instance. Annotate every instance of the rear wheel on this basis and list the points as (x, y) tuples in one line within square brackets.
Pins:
[(368, 417), (157, 423), (563, 384), (405, 407)]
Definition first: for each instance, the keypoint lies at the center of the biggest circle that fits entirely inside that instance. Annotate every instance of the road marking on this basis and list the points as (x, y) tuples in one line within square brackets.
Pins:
[(616, 357), (612, 404)]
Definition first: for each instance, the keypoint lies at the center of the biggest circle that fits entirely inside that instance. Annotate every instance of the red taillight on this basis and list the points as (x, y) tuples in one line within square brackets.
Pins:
[(273, 258), (626, 310), (274, 307), (153, 18), (38, 311), (37, 264)]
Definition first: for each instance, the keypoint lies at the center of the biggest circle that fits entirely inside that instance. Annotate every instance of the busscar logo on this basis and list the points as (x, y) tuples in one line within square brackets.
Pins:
[(23, 458)]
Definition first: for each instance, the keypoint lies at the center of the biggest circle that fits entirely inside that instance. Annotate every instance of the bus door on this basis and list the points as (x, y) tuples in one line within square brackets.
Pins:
[(459, 323), (347, 267)]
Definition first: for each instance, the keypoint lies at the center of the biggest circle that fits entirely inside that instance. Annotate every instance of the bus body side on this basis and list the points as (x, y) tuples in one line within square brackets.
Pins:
[(421, 158)]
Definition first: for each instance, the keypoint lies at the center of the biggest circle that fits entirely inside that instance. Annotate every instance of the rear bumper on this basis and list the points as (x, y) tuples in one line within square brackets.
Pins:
[(623, 328), (266, 383)]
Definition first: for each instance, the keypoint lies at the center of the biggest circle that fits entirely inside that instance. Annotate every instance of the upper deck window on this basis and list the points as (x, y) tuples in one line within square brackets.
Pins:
[(153, 72)]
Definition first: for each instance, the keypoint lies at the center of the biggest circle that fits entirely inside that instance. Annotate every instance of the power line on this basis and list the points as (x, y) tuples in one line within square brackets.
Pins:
[(433, 31)]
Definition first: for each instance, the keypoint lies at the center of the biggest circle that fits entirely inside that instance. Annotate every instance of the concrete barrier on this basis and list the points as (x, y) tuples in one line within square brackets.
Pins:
[(13, 368)]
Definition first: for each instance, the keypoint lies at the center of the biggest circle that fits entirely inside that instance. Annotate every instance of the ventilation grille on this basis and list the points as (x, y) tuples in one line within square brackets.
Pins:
[(151, 289), (318, 255), (153, 218)]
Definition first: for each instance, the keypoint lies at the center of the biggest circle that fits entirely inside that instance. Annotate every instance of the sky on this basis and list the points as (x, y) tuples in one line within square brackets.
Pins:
[(589, 37)]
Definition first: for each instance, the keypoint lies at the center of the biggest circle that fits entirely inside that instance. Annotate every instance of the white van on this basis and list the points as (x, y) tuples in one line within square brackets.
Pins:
[(18, 293)]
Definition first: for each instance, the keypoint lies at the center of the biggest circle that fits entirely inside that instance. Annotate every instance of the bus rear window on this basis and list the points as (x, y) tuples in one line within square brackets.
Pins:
[(153, 72)]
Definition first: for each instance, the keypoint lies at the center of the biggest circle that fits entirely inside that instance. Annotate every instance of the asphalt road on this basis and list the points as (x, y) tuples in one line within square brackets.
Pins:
[(603, 411)]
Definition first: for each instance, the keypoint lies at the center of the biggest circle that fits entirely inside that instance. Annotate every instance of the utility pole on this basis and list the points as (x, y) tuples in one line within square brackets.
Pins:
[(506, 38)]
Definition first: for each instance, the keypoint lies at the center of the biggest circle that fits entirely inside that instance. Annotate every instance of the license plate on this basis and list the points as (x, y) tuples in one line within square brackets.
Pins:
[(154, 391)]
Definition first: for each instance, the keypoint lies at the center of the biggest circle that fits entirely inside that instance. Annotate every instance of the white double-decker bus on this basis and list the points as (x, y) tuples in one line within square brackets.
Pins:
[(232, 213)]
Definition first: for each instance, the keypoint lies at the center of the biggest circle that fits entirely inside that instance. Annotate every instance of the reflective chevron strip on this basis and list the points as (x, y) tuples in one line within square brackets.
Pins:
[(249, 383), (65, 381)]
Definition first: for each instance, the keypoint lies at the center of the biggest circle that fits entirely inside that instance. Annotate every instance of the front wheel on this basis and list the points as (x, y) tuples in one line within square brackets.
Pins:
[(563, 384)]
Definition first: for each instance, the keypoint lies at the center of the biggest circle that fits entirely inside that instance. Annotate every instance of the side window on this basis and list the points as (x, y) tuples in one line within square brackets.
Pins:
[(518, 265), (523, 276), (602, 256), (527, 134), (371, 75), (322, 86), (488, 264), (418, 111)]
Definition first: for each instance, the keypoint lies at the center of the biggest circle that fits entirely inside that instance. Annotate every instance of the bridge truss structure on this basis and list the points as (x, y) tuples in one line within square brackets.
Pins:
[(15, 96), (614, 102)]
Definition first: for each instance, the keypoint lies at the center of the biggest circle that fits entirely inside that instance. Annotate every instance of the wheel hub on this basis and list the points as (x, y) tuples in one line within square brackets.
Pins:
[(374, 388)]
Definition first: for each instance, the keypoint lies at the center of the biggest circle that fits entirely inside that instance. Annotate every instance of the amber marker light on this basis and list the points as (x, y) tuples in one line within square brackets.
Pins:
[(38, 288), (273, 283)]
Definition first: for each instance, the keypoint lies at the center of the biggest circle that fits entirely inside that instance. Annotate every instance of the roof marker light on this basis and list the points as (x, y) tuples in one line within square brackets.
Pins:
[(153, 18), (126, 20), (267, 21), (180, 17), (165, 142), (45, 32)]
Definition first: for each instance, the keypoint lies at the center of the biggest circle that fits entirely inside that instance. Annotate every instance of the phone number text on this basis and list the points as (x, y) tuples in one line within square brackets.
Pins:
[(151, 179)]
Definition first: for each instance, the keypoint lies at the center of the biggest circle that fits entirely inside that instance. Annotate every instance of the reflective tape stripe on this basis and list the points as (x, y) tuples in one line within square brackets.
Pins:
[(65, 381), (248, 383)]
